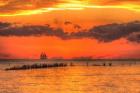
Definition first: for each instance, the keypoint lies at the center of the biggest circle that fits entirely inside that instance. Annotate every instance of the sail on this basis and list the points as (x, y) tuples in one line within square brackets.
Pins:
[(43, 55)]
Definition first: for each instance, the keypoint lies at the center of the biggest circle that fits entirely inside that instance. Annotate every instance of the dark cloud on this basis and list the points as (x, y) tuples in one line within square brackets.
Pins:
[(33, 31), (135, 37), (76, 26), (103, 33), (110, 32), (67, 22), (4, 25)]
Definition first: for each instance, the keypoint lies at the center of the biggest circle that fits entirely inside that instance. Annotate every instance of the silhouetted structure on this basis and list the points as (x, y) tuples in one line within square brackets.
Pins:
[(43, 56), (87, 64), (71, 64), (110, 64), (37, 66)]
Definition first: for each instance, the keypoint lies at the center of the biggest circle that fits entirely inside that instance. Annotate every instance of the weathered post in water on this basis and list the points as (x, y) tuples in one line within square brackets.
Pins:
[(87, 63), (104, 64), (71, 64), (110, 64)]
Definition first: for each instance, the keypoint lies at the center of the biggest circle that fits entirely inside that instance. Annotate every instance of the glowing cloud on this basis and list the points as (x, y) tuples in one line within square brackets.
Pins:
[(29, 7)]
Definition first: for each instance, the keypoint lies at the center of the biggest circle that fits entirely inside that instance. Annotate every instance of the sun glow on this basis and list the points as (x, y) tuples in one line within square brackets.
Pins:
[(72, 5)]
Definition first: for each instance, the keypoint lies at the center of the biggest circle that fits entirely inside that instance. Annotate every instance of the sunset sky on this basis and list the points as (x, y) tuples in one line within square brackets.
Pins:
[(70, 28)]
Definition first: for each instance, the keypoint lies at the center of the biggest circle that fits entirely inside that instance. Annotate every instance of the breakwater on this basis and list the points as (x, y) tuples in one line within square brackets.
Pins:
[(64, 64), (37, 66)]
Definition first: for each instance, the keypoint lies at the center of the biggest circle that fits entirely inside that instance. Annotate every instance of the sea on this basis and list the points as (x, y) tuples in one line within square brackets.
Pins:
[(82, 77)]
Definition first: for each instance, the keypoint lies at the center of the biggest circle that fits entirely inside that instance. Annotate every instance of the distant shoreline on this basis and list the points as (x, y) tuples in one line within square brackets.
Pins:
[(70, 60)]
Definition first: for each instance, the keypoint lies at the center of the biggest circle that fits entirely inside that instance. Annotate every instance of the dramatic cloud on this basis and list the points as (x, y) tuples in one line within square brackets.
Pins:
[(23, 7), (135, 37), (4, 25), (112, 32), (32, 31), (27, 7), (76, 26), (113, 2), (103, 33), (67, 23)]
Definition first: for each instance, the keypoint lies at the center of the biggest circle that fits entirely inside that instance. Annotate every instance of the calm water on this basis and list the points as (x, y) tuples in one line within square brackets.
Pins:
[(76, 79)]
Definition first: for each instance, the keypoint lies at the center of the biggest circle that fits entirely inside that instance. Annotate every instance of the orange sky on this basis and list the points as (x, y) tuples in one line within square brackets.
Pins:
[(84, 13)]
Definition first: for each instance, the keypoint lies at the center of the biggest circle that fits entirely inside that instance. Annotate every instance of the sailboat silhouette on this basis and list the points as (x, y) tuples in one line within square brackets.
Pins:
[(43, 55)]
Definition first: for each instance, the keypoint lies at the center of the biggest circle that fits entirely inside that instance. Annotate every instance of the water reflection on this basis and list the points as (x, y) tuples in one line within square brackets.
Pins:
[(76, 79)]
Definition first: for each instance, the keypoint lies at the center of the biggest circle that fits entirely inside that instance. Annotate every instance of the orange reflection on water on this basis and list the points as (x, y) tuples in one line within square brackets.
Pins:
[(78, 79)]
